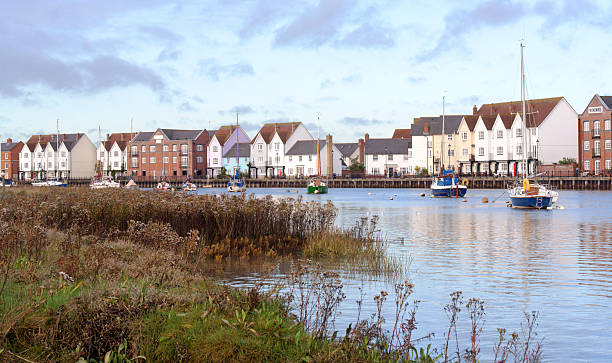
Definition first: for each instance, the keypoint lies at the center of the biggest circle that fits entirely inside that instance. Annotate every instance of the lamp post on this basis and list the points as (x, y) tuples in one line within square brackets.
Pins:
[(386, 162), (449, 154)]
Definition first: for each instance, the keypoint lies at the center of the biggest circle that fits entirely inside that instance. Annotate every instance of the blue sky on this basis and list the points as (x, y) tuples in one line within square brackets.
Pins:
[(360, 66)]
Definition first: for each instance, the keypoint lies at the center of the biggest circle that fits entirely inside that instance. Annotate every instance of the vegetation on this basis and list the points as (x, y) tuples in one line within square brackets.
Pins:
[(567, 161), (421, 171), (356, 165), (87, 278)]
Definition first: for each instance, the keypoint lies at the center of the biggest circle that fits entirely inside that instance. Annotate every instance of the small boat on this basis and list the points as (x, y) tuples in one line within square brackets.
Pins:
[(316, 186), (531, 195), (163, 185), (50, 183), (131, 184), (447, 185), (189, 186), (236, 185), (103, 183), (6, 183)]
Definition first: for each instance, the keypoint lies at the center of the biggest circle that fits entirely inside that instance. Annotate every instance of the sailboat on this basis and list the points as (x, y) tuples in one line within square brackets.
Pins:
[(316, 185), (528, 193), (236, 184), (447, 183)]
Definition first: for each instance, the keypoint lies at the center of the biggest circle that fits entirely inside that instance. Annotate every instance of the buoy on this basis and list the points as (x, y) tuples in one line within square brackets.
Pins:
[(296, 191), (395, 194), (464, 200), (288, 191), (390, 198), (422, 194), (485, 200)]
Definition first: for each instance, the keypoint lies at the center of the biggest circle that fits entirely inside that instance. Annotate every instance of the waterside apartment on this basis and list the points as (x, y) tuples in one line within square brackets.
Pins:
[(595, 136), (9, 159)]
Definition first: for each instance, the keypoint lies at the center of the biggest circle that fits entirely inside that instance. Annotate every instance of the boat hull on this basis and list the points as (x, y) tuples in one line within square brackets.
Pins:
[(531, 202), (449, 192), (321, 189)]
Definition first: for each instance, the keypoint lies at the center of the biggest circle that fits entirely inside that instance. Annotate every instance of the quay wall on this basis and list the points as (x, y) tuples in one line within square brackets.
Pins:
[(564, 183)]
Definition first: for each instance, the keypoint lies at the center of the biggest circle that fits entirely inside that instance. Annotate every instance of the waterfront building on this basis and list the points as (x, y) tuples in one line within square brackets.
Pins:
[(388, 157), (429, 141), (112, 154), (301, 159), (349, 152), (595, 136), (9, 159), (269, 145), (464, 144), (551, 133), (169, 153), (47, 156), (243, 150), (402, 134), (223, 140)]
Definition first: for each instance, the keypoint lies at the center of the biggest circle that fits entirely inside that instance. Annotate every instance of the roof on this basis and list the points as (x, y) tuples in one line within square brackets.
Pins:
[(387, 146), (488, 120), (224, 133), (305, 147), (347, 148), (143, 136), (536, 110), (401, 134), (174, 134), (68, 139), (507, 119), (244, 150), (8, 146), (434, 125), (471, 120), (284, 130), (122, 139), (607, 100)]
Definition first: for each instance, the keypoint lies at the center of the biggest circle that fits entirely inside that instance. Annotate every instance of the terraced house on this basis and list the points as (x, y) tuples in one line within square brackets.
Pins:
[(222, 148), (170, 153), (9, 159), (112, 154), (595, 136)]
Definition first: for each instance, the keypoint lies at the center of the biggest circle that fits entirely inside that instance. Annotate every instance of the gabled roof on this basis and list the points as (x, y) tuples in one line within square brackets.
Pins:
[(607, 101), (53, 141), (507, 119), (8, 146), (305, 147), (387, 146), (224, 133), (122, 139), (470, 121), (244, 151), (488, 120), (536, 110), (347, 148), (175, 134), (284, 130), (143, 136), (401, 134), (423, 126)]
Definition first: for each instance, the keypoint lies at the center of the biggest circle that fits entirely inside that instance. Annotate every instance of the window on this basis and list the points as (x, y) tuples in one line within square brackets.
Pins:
[(290, 158), (165, 148), (428, 153), (25, 155), (51, 164), (481, 151), (63, 154), (464, 136), (449, 137), (174, 147), (166, 160), (260, 159), (519, 149), (500, 134), (607, 125), (464, 152), (199, 148), (375, 171), (587, 145), (184, 160), (533, 130), (290, 171), (300, 158), (429, 143), (101, 154), (596, 128), (199, 159), (587, 165), (500, 150), (215, 161), (277, 146), (116, 153), (6, 156), (39, 155), (309, 157), (375, 157), (409, 153), (144, 160), (608, 144), (152, 148), (260, 146), (451, 152), (309, 171), (596, 147), (134, 162), (519, 132), (406, 157), (390, 157), (608, 164), (143, 149), (116, 164), (184, 149), (63, 164), (503, 166), (227, 160), (586, 127), (174, 159), (215, 149), (152, 160), (597, 166), (26, 165), (480, 135)]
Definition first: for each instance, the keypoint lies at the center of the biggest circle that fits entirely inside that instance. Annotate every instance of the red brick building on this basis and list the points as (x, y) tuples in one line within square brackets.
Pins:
[(595, 136), (9, 156), (175, 154)]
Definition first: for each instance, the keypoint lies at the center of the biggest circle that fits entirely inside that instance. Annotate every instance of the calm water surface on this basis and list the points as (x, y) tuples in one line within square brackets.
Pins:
[(557, 262)]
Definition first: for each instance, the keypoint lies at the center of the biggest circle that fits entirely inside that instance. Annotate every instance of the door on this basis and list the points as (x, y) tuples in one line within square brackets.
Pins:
[(299, 171), (597, 166)]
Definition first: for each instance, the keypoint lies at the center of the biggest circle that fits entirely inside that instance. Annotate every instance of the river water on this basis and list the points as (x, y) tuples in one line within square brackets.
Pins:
[(557, 262)]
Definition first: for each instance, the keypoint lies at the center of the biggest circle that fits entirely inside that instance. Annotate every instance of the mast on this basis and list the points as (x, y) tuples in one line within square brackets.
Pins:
[(318, 147), (523, 123), (55, 156), (237, 158), (442, 141)]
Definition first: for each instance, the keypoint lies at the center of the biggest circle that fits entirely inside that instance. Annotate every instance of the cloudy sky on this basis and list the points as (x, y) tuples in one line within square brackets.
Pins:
[(359, 66)]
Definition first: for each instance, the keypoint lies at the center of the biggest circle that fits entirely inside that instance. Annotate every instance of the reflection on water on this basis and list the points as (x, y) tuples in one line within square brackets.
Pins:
[(556, 262)]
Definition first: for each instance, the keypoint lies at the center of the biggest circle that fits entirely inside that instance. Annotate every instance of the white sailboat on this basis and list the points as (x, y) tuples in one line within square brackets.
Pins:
[(236, 184)]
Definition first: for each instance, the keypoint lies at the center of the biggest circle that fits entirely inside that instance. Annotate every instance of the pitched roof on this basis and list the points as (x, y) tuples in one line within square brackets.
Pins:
[(244, 150), (175, 134), (536, 110), (488, 120), (401, 133), (224, 133), (53, 140), (305, 147), (434, 125), (347, 148), (607, 101), (121, 138), (143, 136), (507, 119), (471, 120), (284, 130), (387, 146), (8, 146)]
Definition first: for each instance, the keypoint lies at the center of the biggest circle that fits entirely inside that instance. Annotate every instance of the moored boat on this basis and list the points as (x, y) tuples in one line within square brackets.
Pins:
[(317, 186), (163, 185), (189, 186), (103, 183), (447, 185), (50, 183)]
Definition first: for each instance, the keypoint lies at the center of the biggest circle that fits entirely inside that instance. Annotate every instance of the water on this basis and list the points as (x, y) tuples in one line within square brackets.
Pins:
[(557, 262)]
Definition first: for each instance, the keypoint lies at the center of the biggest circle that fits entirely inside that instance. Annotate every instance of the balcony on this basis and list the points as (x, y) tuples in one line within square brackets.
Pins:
[(596, 133), (596, 153), (134, 153)]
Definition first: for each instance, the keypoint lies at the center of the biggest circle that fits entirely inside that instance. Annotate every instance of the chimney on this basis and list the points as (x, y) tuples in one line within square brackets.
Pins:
[(426, 128), (9, 140), (475, 110), (367, 137), (361, 151), (107, 137), (330, 156)]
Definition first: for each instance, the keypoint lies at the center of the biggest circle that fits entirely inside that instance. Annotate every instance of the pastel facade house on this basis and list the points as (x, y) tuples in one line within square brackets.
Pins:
[(433, 146), (301, 159), (502, 147), (169, 153), (483, 143), (58, 156), (241, 151), (221, 142), (269, 145), (9, 159), (112, 154), (464, 144), (421, 145), (388, 157), (551, 133), (595, 136)]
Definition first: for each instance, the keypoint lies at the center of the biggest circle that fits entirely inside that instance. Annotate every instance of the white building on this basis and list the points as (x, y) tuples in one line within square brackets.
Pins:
[(268, 147), (349, 151), (219, 147), (112, 154), (390, 157), (301, 159)]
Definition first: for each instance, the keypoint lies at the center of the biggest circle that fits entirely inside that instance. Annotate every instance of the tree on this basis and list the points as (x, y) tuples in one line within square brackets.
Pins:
[(356, 165), (567, 161), (98, 167)]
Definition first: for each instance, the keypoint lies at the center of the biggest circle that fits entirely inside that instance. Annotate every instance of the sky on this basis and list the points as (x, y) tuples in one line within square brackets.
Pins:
[(345, 67)]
